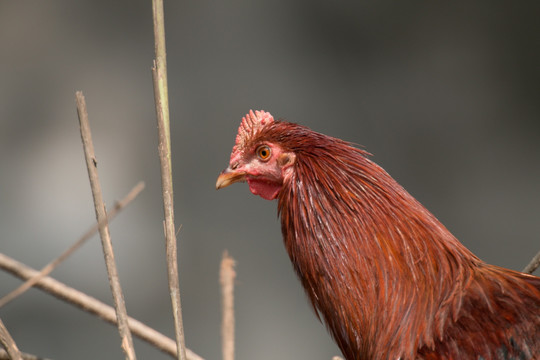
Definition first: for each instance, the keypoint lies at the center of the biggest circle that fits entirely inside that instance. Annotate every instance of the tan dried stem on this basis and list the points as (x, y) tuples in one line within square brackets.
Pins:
[(9, 344), (227, 276), (159, 75), (533, 264), (101, 216)]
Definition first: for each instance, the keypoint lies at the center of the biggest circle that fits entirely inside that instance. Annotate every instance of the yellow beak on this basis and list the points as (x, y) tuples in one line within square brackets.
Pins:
[(228, 177)]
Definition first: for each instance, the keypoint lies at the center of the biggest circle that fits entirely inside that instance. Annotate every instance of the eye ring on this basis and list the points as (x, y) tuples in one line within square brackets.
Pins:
[(264, 152)]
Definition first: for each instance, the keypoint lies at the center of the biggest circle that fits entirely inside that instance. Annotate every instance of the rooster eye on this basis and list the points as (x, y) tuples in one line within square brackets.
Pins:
[(264, 152)]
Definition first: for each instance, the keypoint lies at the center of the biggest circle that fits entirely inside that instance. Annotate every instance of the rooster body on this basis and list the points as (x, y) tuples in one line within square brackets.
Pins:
[(386, 277)]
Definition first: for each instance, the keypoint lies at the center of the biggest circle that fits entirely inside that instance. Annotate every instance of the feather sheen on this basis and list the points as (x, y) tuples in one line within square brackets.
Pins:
[(385, 276)]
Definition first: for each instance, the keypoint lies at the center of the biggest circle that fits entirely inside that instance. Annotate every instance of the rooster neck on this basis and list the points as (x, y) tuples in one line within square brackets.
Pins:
[(366, 251)]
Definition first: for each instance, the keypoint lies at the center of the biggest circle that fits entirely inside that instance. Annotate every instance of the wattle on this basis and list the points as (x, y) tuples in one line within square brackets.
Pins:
[(266, 189)]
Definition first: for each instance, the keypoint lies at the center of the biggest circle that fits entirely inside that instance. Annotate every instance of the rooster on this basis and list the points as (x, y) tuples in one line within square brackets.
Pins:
[(385, 276)]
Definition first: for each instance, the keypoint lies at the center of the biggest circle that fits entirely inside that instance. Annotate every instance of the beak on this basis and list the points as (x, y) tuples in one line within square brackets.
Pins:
[(228, 177)]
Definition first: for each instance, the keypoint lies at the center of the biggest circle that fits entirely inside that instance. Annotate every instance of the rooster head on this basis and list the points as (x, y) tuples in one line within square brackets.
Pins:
[(258, 159)]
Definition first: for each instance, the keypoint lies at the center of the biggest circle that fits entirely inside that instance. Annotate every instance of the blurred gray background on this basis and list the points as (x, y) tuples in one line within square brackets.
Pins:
[(445, 96)]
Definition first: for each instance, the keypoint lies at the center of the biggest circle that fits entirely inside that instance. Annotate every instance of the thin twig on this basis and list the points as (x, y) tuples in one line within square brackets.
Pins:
[(533, 265), (9, 344), (118, 207), (101, 216), (159, 75), (226, 279), (91, 305), (5, 356)]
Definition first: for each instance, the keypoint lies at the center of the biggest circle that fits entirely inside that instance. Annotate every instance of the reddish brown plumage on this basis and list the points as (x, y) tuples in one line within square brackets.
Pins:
[(388, 279)]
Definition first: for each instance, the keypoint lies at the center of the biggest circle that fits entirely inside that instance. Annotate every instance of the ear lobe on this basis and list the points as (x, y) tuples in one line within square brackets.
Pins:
[(286, 159)]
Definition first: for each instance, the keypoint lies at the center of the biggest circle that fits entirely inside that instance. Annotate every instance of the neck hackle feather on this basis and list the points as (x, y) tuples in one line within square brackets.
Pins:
[(388, 279)]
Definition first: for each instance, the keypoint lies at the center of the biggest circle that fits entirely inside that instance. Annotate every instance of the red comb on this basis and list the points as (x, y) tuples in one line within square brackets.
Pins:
[(251, 124)]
